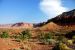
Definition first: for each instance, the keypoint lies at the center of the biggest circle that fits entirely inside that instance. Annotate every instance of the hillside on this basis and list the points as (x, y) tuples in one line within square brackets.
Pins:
[(66, 18), (64, 22), (50, 26)]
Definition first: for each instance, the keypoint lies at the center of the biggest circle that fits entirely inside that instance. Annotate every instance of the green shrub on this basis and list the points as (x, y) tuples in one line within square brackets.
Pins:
[(24, 35), (45, 38), (4, 35)]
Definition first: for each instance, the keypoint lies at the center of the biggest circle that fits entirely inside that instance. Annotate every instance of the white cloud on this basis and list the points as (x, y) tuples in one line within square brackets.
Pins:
[(52, 8)]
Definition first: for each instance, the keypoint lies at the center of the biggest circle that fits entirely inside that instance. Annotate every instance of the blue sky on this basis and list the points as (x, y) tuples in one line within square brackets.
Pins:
[(32, 11)]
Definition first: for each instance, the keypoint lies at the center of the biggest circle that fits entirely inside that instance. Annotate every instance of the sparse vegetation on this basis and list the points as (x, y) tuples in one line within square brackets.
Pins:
[(4, 35), (45, 38), (64, 47), (24, 35)]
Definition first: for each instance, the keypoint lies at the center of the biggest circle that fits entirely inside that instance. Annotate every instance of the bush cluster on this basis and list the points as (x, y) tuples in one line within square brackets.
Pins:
[(45, 38), (4, 35), (24, 35)]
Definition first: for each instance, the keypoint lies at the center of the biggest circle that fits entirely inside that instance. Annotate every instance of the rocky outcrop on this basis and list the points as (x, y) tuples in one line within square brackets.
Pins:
[(17, 25), (66, 18), (22, 25), (62, 22)]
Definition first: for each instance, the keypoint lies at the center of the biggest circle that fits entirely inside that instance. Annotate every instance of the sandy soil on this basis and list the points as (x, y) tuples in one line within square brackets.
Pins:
[(10, 44)]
